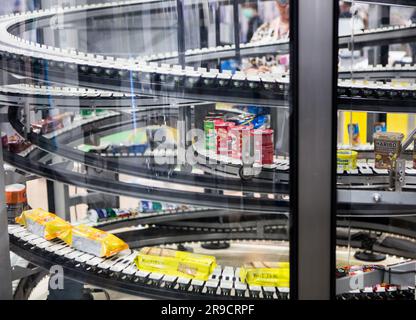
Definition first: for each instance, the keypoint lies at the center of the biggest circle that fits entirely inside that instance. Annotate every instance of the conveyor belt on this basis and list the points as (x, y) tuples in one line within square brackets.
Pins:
[(135, 168), (182, 216), (404, 226), (366, 174), (365, 178), (184, 86), (201, 220), (63, 98), (377, 73), (201, 224), (407, 3), (134, 190), (379, 36), (158, 80), (386, 244), (121, 273), (283, 166), (375, 96), (171, 234), (380, 294), (398, 236)]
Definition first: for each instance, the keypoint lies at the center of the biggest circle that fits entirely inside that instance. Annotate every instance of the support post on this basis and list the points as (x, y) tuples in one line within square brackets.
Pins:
[(181, 33), (314, 34), (5, 266), (236, 18)]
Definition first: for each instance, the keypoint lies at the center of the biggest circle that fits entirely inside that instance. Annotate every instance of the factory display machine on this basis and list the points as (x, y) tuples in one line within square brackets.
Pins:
[(120, 126)]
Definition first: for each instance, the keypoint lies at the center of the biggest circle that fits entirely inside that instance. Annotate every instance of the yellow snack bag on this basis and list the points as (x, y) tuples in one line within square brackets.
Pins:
[(94, 241), (273, 274), (43, 223), (176, 263)]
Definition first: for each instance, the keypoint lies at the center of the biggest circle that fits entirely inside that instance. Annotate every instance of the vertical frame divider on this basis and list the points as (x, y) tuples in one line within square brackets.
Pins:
[(236, 20), (181, 33), (5, 266), (313, 78), (293, 151)]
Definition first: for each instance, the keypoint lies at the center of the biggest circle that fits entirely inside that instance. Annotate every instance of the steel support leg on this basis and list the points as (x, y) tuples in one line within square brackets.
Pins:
[(5, 266)]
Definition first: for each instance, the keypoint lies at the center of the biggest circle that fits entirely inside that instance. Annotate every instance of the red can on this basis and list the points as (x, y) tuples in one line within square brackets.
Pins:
[(222, 130), (263, 146), (237, 133), (266, 136)]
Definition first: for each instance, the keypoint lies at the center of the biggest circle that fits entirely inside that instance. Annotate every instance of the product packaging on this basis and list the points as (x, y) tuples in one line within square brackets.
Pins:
[(347, 160), (176, 263), (43, 223), (387, 148), (273, 274), (94, 241)]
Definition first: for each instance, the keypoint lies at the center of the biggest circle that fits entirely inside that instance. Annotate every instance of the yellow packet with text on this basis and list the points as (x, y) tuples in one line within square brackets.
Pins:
[(273, 274), (44, 224), (176, 263), (94, 241)]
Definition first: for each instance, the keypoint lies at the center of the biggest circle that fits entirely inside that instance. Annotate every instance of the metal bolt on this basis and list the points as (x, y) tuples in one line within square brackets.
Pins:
[(377, 197)]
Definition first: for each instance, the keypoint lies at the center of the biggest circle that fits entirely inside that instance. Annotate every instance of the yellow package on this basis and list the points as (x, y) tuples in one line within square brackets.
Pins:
[(43, 223), (347, 160), (94, 241), (176, 263), (272, 274)]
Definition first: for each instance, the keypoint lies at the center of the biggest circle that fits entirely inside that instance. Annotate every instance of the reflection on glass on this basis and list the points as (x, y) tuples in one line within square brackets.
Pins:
[(375, 167), (165, 123)]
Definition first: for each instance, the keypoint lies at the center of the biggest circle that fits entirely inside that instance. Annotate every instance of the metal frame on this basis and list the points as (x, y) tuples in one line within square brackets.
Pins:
[(5, 265), (314, 40), (181, 33)]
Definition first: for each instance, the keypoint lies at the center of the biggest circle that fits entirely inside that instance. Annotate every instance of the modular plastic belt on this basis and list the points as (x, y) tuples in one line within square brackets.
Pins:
[(120, 272), (173, 81), (407, 3), (233, 167), (366, 177), (380, 293), (376, 96), (144, 218), (379, 36), (152, 78), (366, 173), (135, 169), (397, 72), (42, 97), (174, 195)]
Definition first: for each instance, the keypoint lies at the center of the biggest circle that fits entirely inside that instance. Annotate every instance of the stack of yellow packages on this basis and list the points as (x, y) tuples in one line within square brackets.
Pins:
[(94, 241), (43, 223), (272, 274), (175, 263), (83, 238)]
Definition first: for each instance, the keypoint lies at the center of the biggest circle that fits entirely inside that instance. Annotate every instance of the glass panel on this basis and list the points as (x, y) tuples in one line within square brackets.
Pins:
[(375, 163), (163, 122)]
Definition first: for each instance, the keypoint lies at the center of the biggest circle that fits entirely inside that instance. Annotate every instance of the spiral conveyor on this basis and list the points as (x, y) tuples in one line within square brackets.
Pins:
[(135, 90)]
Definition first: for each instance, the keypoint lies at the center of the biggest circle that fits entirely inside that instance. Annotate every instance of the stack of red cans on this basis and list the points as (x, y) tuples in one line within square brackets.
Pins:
[(263, 146), (229, 139)]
